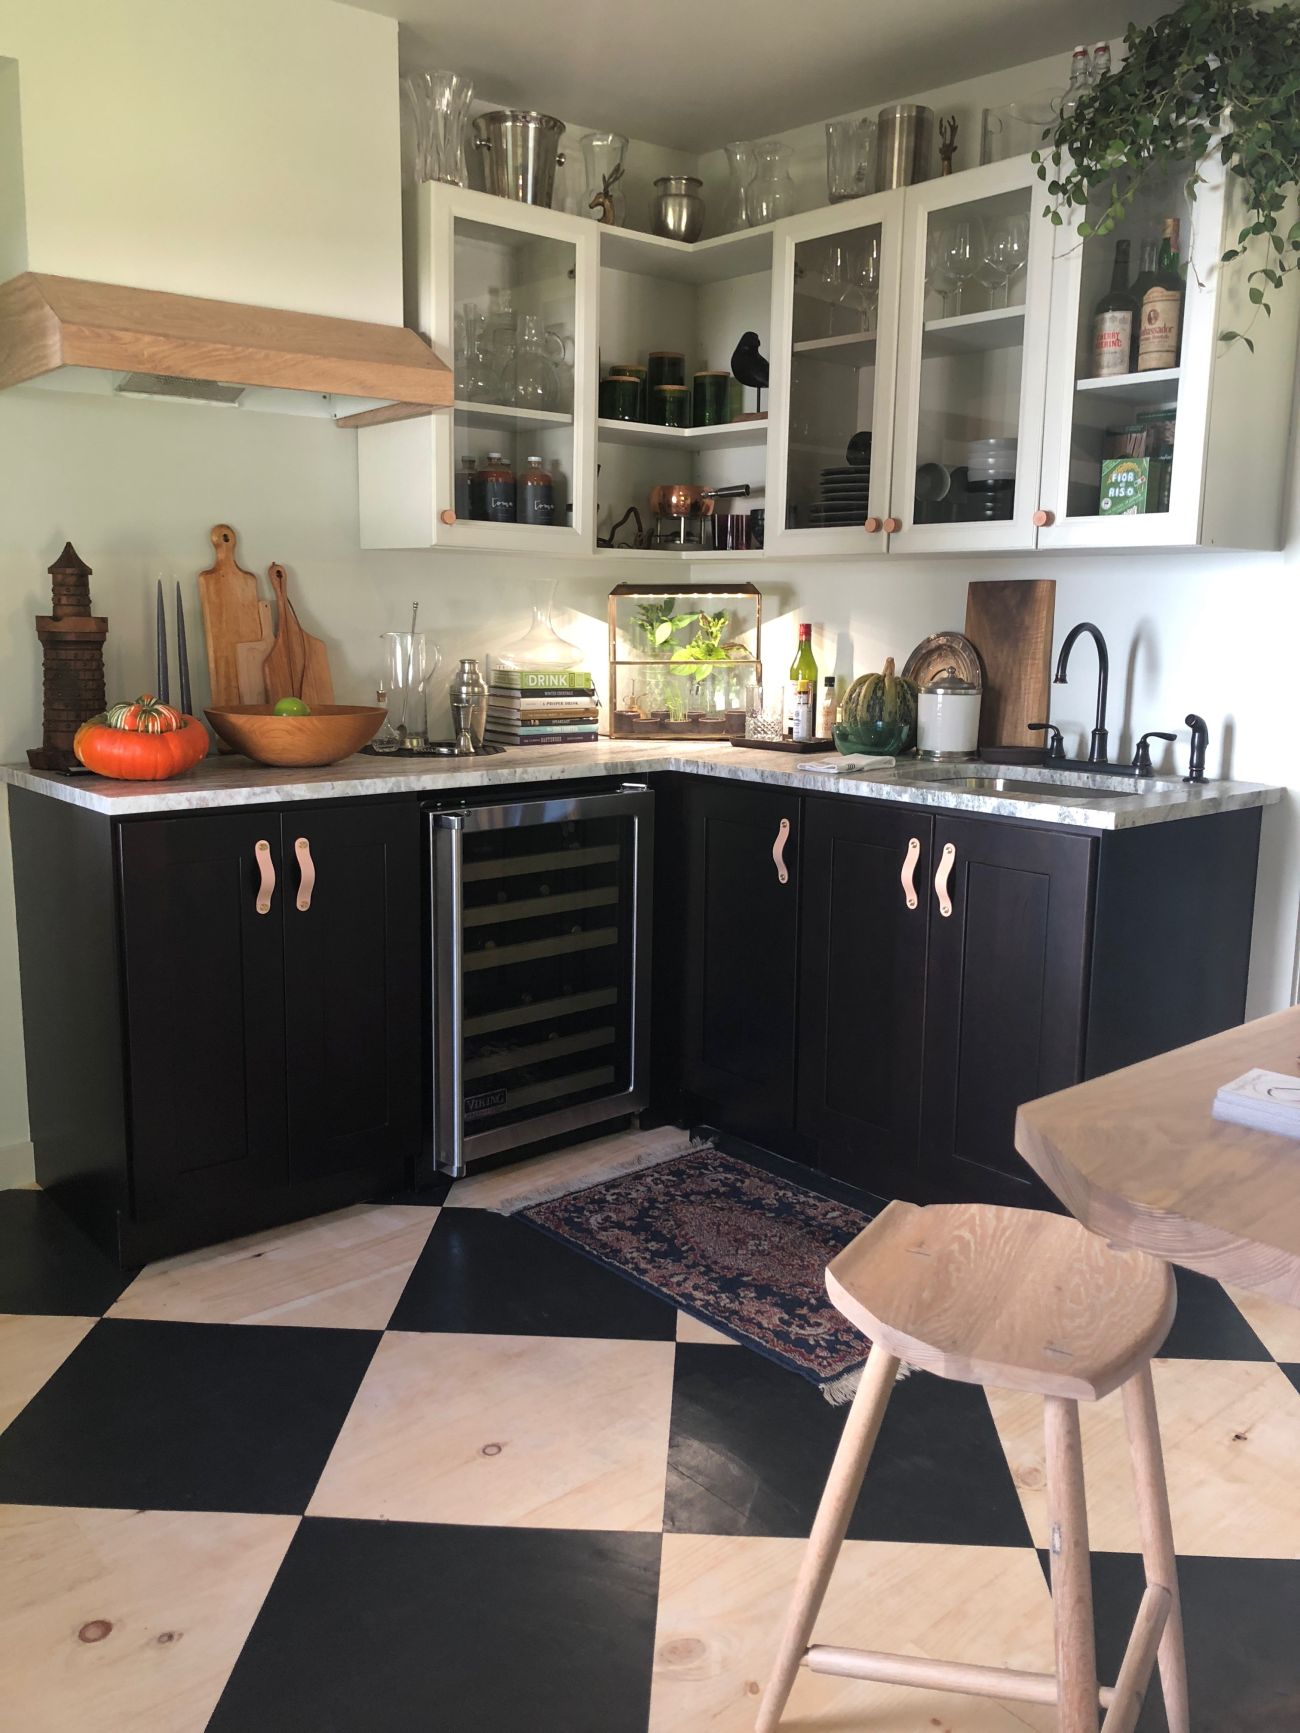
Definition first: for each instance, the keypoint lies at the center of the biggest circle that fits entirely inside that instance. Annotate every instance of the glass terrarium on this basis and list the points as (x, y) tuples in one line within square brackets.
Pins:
[(683, 663)]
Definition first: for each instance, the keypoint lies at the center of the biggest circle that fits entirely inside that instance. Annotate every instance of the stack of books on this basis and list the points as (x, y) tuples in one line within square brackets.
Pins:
[(541, 707), (1263, 1100)]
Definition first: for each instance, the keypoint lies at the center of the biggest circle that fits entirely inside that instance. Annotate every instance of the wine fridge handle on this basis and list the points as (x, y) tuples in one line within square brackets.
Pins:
[(778, 852), (908, 875), (448, 993), (266, 876), (946, 862)]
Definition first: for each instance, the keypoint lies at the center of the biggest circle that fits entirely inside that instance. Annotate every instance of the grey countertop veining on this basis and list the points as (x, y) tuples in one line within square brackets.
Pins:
[(1087, 802)]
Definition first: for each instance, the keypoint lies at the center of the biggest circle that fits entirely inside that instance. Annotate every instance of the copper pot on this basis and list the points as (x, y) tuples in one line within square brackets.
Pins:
[(682, 499)]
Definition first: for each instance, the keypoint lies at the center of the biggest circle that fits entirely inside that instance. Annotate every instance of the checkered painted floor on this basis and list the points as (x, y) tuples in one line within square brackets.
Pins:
[(411, 1467)]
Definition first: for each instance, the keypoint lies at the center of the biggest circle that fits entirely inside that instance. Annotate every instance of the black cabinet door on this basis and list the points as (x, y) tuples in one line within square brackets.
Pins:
[(739, 931), (352, 926), (204, 995), (863, 945), (1006, 993)]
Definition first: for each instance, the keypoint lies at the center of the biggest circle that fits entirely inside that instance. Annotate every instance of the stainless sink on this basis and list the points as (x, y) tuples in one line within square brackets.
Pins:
[(1073, 788)]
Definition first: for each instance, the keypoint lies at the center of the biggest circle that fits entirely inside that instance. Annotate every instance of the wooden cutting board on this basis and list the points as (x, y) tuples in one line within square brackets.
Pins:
[(1009, 621), (250, 660), (231, 615), (298, 664)]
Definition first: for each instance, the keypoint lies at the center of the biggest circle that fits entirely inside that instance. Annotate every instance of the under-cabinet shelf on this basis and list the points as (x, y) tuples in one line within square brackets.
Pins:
[(692, 438), (505, 418), (852, 349), (742, 254), (687, 551), (1157, 386), (971, 333)]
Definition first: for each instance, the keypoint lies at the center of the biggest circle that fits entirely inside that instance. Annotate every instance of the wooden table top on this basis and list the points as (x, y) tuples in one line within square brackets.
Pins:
[(1136, 1157)]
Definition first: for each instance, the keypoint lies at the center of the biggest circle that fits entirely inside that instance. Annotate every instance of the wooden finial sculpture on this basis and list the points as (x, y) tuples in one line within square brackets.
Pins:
[(947, 144), (72, 639)]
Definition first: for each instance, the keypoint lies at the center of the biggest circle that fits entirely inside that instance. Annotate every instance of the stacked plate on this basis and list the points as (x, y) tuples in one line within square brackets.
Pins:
[(841, 498)]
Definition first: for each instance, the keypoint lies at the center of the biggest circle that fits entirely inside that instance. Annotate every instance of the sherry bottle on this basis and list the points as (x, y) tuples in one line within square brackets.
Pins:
[(803, 678), (1161, 317), (1112, 322)]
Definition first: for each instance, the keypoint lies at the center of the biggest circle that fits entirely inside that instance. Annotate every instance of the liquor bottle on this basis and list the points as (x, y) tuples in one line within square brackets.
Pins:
[(1112, 322), (1138, 287), (1160, 317), (1100, 67), (803, 678), (535, 495), (827, 723), (1079, 66)]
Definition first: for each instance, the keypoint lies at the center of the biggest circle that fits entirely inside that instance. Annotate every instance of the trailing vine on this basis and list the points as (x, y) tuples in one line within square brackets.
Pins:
[(1212, 77)]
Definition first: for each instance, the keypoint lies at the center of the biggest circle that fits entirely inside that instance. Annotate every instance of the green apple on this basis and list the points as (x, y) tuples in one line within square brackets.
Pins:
[(292, 707)]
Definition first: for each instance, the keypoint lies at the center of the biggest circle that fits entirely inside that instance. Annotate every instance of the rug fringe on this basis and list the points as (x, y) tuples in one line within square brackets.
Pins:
[(617, 1168), (840, 1391)]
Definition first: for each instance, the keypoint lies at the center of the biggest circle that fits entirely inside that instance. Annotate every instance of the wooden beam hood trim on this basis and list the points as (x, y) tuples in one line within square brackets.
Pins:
[(50, 322)]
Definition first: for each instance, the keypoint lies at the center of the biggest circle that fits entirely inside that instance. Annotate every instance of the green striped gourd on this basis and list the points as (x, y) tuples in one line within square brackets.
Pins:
[(883, 697)]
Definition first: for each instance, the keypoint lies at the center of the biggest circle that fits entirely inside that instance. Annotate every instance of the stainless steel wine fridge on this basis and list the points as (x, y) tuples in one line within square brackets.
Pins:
[(540, 968)]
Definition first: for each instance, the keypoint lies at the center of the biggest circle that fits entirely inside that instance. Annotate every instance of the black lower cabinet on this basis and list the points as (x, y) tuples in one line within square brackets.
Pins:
[(1006, 997), (248, 1015), (862, 982), (739, 933)]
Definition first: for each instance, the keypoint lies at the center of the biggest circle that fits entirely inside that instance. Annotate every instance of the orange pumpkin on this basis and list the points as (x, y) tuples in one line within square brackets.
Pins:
[(141, 742)]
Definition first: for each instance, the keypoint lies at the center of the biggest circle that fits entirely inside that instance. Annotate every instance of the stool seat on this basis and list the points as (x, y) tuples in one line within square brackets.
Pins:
[(1010, 1297)]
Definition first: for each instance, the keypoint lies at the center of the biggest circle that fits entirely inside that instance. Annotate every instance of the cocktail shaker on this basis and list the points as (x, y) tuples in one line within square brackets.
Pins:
[(469, 695)]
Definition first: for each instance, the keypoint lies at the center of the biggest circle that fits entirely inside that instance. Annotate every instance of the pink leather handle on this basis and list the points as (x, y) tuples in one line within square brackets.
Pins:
[(907, 877), (266, 870), (306, 874), (946, 861), (778, 851)]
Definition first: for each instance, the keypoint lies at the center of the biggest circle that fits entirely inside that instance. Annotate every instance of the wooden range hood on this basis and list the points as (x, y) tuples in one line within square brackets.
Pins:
[(171, 345)]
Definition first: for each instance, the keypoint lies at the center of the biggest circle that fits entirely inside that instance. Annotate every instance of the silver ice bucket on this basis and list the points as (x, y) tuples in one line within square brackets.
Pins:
[(523, 153)]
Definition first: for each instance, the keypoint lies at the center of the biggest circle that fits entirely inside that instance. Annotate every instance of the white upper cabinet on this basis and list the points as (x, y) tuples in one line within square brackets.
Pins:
[(1213, 428)]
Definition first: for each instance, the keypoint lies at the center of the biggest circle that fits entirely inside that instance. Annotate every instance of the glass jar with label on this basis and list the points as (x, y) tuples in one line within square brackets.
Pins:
[(536, 502), (497, 482)]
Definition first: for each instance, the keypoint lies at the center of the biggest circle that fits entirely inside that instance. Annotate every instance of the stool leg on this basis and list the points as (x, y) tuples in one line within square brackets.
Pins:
[(1067, 1512), (842, 1487), (1157, 1537)]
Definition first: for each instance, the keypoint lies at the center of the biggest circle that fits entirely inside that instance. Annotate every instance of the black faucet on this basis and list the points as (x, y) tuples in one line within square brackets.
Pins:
[(1200, 745), (1097, 748)]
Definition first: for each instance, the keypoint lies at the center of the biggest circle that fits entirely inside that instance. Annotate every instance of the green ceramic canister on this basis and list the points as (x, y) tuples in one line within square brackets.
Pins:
[(670, 406), (710, 401), (620, 397)]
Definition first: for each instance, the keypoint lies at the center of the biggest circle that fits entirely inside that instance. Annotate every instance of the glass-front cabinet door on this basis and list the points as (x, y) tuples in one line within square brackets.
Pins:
[(972, 356), (835, 312)]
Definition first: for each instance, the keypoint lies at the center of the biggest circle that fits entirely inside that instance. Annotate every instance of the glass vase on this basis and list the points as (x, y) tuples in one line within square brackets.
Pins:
[(740, 164), (771, 194), (602, 156), (438, 107)]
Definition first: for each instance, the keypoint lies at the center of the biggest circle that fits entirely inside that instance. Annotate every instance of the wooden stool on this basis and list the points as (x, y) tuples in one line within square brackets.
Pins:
[(1025, 1301)]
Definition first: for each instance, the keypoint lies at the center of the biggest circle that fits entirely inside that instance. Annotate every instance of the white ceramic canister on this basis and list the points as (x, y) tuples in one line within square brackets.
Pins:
[(948, 717)]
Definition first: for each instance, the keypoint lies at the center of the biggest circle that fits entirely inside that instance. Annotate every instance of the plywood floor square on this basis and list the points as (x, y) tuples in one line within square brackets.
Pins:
[(722, 1602), (119, 1620), (1231, 1436), (1275, 1323), (527, 1431), (30, 1349), (344, 1271), (692, 1330), (509, 1188)]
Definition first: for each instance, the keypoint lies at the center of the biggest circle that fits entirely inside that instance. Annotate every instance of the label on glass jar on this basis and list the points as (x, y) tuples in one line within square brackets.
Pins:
[(536, 502), (1158, 336), (498, 500), (1112, 338)]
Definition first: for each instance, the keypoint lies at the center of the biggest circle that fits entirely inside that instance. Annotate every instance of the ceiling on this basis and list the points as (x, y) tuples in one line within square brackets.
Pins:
[(694, 74)]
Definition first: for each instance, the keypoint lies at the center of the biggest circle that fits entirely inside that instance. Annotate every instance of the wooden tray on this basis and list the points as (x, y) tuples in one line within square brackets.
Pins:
[(820, 745)]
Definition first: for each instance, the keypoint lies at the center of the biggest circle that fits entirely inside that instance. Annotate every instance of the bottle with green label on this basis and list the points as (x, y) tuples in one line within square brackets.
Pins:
[(803, 680)]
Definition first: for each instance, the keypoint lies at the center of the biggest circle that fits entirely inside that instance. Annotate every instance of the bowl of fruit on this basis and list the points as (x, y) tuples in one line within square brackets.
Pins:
[(294, 734)]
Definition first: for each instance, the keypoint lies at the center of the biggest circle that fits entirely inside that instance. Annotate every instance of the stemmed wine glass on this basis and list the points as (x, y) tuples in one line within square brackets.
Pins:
[(961, 249), (861, 294), (937, 275), (831, 279), (1005, 256)]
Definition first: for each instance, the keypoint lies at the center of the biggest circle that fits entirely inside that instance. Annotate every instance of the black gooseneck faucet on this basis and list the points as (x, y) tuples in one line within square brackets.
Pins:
[(1098, 746)]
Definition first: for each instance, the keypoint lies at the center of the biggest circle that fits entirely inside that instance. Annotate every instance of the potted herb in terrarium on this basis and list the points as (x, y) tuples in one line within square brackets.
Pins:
[(682, 664)]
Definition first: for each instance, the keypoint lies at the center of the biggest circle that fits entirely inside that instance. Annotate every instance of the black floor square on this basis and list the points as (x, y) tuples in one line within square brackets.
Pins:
[(751, 1445), (1293, 1373), (417, 1628), (496, 1276), (429, 1196), (1239, 1622), (186, 1417), (1207, 1325), (48, 1265)]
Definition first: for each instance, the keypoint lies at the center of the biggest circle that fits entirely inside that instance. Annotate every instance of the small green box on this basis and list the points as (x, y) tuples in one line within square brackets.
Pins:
[(1124, 482)]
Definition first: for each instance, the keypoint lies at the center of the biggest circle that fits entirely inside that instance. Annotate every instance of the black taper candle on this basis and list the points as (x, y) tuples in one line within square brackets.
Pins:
[(162, 688), (182, 656)]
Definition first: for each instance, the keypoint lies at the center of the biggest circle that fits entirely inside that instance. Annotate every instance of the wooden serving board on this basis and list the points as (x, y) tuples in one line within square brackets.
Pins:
[(231, 616), (298, 664), (1009, 621), (250, 660)]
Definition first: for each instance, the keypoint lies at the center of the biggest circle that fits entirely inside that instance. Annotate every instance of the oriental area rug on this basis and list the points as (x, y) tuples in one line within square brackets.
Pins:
[(743, 1250)]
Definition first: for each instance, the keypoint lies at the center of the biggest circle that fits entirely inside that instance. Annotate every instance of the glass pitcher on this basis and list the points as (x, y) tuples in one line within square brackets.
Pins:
[(477, 373), (770, 194), (535, 383), (409, 661)]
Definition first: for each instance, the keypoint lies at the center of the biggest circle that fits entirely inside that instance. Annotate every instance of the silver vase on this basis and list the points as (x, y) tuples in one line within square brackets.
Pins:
[(469, 695)]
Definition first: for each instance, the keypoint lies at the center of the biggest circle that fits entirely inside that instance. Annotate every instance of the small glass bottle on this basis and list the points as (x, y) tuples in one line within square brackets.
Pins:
[(497, 481), (1080, 73), (1100, 67), (827, 722), (536, 494)]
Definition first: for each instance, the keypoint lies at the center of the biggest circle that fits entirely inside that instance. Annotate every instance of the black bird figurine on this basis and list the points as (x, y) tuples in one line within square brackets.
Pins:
[(749, 366)]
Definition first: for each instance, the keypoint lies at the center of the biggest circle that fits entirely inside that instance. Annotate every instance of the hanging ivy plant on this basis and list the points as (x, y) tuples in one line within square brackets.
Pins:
[(1211, 77)]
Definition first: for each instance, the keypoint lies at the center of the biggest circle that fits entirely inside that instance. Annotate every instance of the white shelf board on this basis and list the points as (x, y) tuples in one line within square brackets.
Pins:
[(1157, 386), (503, 417), (713, 261), (969, 333), (856, 349), (690, 552), (692, 438)]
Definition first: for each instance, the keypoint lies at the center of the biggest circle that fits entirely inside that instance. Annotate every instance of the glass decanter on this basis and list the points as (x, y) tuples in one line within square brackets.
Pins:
[(771, 193), (478, 378), (541, 646), (536, 381)]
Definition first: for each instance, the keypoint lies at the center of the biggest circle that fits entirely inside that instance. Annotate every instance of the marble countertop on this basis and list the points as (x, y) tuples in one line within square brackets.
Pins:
[(1087, 802)]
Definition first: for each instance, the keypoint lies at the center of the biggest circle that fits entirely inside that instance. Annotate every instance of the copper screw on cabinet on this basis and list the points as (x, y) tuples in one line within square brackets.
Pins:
[(72, 639)]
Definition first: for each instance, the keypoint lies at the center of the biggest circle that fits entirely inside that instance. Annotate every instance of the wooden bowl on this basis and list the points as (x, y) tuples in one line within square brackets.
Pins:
[(331, 732)]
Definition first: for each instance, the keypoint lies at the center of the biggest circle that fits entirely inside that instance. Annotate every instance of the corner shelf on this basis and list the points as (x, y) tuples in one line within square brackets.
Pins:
[(504, 418), (971, 333), (727, 433), (1157, 386), (742, 254), (856, 349)]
